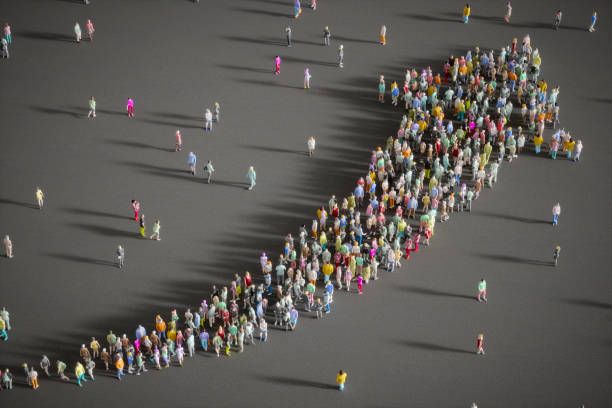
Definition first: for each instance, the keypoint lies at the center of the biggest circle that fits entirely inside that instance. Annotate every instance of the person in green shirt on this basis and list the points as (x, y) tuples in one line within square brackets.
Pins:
[(482, 291)]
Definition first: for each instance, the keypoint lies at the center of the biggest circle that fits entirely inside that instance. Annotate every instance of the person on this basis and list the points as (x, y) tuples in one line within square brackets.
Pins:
[(40, 198), (263, 330), (307, 77), (120, 256), (192, 159), (311, 145), (3, 332), (557, 19), (89, 26), (480, 344), (5, 48), (8, 246), (45, 363), (467, 10), (33, 378), (94, 345), (156, 228), (61, 367), (341, 380), (208, 120), (92, 108), (556, 212), (136, 208), (326, 36), (129, 106), (381, 89), (209, 169), (7, 379), (8, 36), (341, 56), (482, 291), (142, 226), (251, 177), (6, 316), (90, 365), (313, 5), (288, 35), (216, 112), (179, 141), (556, 253), (277, 65), (578, 150), (508, 12), (77, 32), (79, 373), (297, 9), (382, 39), (593, 21), (105, 357), (119, 364)]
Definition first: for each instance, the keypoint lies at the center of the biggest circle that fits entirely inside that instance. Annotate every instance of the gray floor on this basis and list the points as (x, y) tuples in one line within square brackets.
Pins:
[(409, 340)]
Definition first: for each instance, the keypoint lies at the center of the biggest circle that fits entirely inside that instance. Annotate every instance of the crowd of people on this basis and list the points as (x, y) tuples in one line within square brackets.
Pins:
[(459, 127)]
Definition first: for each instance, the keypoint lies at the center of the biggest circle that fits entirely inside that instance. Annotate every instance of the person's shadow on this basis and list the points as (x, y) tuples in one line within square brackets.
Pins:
[(296, 382)]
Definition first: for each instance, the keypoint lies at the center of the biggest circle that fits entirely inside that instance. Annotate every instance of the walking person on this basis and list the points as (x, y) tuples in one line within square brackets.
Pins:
[(480, 344), (156, 229), (40, 198), (467, 10), (120, 256), (136, 208), (89, 26), (251, 177), (8, 246), (311, 143), (142, 226), (341, 380), (61, 368), (7, 379), (45, 363), (482, 291), (79, 373), (288, 35), (557, 20), (5, 48), (508, 13), (297, 9), (216, 112), (556, 212), (307, 77), (277, 65), (77, 32), (33, 378), (382, 38), (326, 36), (556, 253), (3, 330), (341, 56), (7, 35), (192, 160), (119, 364), (381, 89), (92, 108), (178, 146), (129, 107), (593, 21), (6, 316), (209, 169), (208, 120)]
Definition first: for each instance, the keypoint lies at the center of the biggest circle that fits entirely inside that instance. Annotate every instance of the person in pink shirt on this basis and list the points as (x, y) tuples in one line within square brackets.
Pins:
[(130, 107), (277, 65), (89, 26), (179, 141), (136, 208), (360, 284)]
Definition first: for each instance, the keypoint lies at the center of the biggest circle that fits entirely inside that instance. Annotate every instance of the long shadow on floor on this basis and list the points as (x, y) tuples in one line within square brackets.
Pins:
[(81, 259), (425, 17), (246, 68), (421, 345), (275, 149), (44, 35), (17, 203), (58, 111), (355, 40), (137, 145), (510, 217), (589, 303), (432, 292), (296, 382), (515, 259), (262, 12), (251, 40), (309, 61), (107, 231), (86, 212)]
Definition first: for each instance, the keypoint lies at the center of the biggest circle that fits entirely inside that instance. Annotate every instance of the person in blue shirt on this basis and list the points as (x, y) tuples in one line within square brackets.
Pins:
[(192, 159), (593, 21)]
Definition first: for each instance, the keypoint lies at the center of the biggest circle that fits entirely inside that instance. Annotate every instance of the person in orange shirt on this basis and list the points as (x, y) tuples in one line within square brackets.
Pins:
[(119, 364), (160, 326)]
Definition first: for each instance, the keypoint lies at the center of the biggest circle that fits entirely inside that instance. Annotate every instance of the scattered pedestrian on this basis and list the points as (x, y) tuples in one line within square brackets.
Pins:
[(216, 112), (307, 77), (129, 106), (557, 20), (326, 36), (480, 344), (508, 13), (341, 380), (89, 26), (297, 9), (92, 108), (3, 330), (277, 65), (381, 89), (382, 38), (8, 246), (556, 253), (7, 34), (208, 120), (341, 56), (482, 291), (79, 373), (311, 145), (7, 379), (142, 226), (136, 208), (45, 363), (593, 21), (251, 177), (6, 316), (192, 160), (120, 256), (209, 170), (156, 228), (556, 212), (40, 198), (61, 368), (5, 48), (33, 378), (77, 32), (467, 10), (178, 146), (288, 35)]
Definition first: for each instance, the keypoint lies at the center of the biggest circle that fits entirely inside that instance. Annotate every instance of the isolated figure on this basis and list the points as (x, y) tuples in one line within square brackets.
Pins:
[(508, 12), (277, 65), (593, 21), (482, 291), (288, 35), (208, 120), (209, 169), (341, 380), (557, 19), (311, 145), (556, 213), (341, 56), (129, 107), (120, 256), (480, 344), (156, 229), (178, 146), (8, 246), (382, 38), (89, 26), (467, 10), (326, 36), (92, 108), (556, 253), (77, 32), (40, 198), (307, 77), (251, 177), (192, 160)]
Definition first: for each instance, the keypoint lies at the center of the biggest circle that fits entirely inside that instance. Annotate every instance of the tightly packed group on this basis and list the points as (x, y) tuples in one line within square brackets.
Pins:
[(458, 129)]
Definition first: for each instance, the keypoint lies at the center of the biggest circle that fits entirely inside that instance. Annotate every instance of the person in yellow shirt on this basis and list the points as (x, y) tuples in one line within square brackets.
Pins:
[(40, 198), (467, 10), (537, 142), (341, 379)]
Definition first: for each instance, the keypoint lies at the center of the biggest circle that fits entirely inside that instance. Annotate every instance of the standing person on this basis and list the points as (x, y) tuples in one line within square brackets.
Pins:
[(297, 9), (8, 246), (8, 36), (209, 169), (311, 145), (251, 177), (192, 160), (326, 36), (467, 10), (77, 32), (508, 12), (557, 19), (593, 21), (92, 108), (578, 150), (480, 344), (482, 291), (3, 332), (120, 256), (556, 212), (382, 38), (179, 141), (216, 112), (208, 120), (89, 26), (142, 226), (556, 253), (341, 56), (40, 198), (341, 379), (33, 377), (136, 208), (156, 228), (277, 65), (5, 48), (45, 363), (381, 89), (119, 364), (307, 77), (288, 35), (7, 379), (129, 106), (6, 316), (313, 5)]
